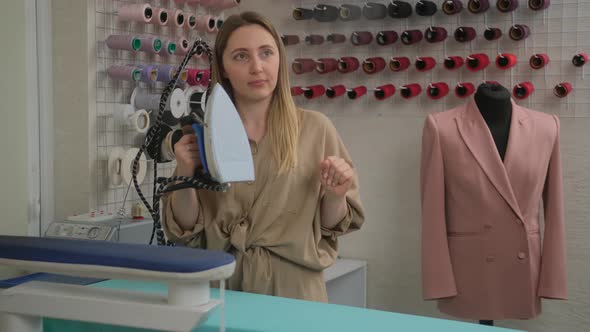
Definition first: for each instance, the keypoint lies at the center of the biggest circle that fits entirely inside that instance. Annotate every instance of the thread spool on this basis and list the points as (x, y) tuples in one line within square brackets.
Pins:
[(190, 21), (385, 38), (150, 44), (384, 91), (397, 64), (196, 98), (169, 48), (538, 61), (115, 166), (149, 73), (179, 19), (356, 92), (519, 32), (425, 8), (335, 91), (138, 12), (290, 39), (325, 13), (303, 65), (336, 38), (139, 120), (124, 73), (182, 46), (127, 166), (361, 38), (374, 11), (198, 77), (452, 7), (410, 37), (477, 62), (176, 104), (580, 59), (349, 12), (296, 91), (478, 6), (301, 14), (465, 34), (506, 61), (464, 89), (203, 22), (523, 90), (218, 23), (373, 65), (437, 90), (507, 6), (326, 65), (453, 62), (435, 34), (539, 4), (491, 34), (562, 89), (348, 64), (314, 39), (161, 16), (165, 73), (410, 90), (123, 42), (314, 91), (425, 63), (399, 9)]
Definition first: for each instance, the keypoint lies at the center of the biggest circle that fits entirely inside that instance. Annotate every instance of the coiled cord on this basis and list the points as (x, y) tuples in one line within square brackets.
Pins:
[(163, 185)]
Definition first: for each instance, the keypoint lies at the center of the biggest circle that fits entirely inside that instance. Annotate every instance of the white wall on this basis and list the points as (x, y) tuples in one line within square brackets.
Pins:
[(13, 126), (384, 140)]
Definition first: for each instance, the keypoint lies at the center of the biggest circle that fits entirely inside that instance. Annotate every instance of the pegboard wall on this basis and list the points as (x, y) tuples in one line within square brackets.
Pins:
[(559, 31), (125, 71)]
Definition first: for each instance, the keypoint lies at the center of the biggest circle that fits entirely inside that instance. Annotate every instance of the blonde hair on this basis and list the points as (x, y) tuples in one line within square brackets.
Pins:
[(283, 117)]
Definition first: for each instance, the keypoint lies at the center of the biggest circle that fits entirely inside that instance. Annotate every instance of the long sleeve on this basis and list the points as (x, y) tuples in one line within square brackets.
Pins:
[(553, 276), (437, 273), (355, 215), (192, 238)]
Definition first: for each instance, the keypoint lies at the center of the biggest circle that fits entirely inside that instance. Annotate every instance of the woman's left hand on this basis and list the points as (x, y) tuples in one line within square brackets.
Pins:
[(336, 176)]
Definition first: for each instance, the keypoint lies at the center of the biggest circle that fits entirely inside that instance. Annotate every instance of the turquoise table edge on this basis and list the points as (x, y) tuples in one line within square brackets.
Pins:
[(246, 312)]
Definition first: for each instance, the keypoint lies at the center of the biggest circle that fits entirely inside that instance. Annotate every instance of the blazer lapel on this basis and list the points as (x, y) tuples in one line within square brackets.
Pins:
[(476, 135)]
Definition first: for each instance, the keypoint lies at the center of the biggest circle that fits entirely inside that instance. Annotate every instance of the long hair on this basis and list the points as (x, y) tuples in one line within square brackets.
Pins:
[(283, 117)]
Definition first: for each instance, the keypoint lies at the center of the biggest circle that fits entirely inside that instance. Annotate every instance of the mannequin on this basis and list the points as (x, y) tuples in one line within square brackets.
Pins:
[(495, 105)]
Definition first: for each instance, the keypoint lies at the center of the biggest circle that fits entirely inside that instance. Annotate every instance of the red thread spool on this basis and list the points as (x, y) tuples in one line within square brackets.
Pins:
[(478, 6), (506, 61), (523, 90), (477, 62), (453, 62), (314, 91), (357, 92), (435, 34), (303, 65), (314, 39), (425, 63), (296, 91), (464, 89), (410, 37), (386, 37), (326, 65), (361, 38), (384, 91), (373, 65), (452, 7), (335, 91), (538, 61), (437, 90), (562, 89), (580, 59), (400, 63), (348, 64), (465, 34), (336, 38), (410, 90), (538, 4), (491, 34)]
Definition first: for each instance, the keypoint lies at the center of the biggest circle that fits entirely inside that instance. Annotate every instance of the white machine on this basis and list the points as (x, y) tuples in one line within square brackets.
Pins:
[(124, 230)]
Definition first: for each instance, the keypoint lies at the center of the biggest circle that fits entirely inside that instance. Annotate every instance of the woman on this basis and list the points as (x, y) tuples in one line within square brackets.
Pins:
[(282, 227)]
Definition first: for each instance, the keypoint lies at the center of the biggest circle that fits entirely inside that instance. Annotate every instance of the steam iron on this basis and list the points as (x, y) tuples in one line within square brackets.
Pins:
[(223, 143)]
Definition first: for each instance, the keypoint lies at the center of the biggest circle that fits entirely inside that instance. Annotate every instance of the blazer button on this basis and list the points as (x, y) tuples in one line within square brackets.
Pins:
[(490, 259), (521, 255)]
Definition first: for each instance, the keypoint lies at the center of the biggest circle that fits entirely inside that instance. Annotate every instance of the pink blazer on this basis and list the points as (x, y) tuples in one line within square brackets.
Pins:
[(482, 256)]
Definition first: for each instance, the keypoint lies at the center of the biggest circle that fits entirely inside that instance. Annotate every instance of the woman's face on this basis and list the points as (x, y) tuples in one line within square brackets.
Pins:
[(251, 63)]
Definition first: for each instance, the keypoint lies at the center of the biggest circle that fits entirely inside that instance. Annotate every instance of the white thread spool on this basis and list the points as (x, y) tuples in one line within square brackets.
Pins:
[(127, 166), (136, 119), (195, 97), (115, 166)]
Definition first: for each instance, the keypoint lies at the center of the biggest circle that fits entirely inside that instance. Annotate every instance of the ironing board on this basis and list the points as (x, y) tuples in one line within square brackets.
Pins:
[(186, 272)]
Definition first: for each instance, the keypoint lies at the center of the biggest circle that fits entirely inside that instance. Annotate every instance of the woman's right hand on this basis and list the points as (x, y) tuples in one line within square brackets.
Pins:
[(186, 151)]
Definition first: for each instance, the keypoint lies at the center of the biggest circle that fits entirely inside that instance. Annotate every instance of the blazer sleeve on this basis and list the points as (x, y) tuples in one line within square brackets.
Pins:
[(553, 276), (438, 280)]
